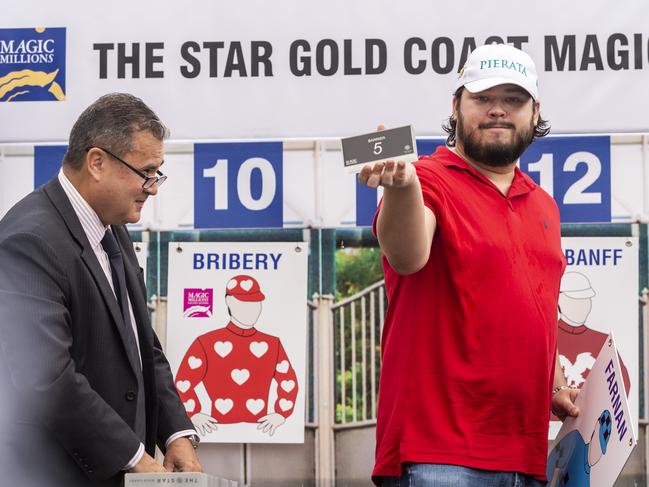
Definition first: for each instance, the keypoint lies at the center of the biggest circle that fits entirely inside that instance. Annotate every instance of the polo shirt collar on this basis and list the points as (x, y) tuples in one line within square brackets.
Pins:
[(521, 184)]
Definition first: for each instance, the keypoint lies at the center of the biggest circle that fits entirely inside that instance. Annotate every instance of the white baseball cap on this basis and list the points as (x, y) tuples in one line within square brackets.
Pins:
[(498, 64)]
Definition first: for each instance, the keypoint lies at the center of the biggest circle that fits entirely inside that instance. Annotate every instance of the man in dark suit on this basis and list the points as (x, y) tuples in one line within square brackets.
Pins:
[(87, 392)]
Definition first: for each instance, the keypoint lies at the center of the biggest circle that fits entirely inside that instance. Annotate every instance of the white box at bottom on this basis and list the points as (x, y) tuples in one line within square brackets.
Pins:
[(190, 479)]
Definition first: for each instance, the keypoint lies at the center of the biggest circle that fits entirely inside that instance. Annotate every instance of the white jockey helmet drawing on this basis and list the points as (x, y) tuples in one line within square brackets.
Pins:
[(243, 297), (575, 298)]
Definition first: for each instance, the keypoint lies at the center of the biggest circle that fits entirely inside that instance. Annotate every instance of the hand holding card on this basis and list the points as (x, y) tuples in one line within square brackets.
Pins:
[(388, 174)]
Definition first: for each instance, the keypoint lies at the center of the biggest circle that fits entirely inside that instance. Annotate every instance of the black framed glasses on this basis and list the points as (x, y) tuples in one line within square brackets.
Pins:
[(149, 181)]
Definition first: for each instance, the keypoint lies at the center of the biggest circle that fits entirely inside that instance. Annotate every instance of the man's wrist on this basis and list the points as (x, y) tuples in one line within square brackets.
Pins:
[(194, 440), (136, 458), (180, 434)]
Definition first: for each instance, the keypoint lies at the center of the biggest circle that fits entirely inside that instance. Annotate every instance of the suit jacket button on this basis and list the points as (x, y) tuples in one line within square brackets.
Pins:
[(130, 395)]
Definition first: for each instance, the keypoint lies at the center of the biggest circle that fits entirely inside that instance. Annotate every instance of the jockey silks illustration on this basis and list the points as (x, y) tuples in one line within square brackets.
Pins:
[(571, 459), (579, 344), (239, 365)]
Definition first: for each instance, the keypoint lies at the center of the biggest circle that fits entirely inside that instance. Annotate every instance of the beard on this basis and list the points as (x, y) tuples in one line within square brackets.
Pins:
[(494, 154)]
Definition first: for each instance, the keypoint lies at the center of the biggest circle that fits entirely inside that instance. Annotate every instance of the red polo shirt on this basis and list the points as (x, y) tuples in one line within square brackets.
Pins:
[(469, 342)]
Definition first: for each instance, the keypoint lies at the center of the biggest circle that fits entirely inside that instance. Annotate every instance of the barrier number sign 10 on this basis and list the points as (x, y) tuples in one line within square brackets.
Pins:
[(238, 185)]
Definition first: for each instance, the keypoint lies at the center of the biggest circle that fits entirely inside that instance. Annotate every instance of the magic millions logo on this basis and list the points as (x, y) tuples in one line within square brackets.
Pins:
[(32, 64)]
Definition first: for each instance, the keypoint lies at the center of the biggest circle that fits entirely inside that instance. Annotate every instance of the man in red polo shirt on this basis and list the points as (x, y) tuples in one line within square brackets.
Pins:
[(473, 263)]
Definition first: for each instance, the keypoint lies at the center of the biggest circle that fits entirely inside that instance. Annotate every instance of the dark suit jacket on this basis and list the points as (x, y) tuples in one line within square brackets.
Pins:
[(70, 387)]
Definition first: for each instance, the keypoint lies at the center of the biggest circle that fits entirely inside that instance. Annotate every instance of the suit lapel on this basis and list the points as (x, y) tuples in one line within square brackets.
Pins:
[(60, 200)]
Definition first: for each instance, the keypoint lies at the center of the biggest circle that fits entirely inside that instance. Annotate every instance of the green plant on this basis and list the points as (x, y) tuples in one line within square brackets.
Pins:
[(356, 269)]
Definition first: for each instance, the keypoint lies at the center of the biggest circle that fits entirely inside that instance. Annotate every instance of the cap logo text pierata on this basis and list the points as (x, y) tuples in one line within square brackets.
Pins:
[(503, 64)]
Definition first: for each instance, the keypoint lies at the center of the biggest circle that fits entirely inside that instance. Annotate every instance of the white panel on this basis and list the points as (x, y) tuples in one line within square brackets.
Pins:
[(627, 184), (338, 191), (174, 203), (299, 188), (16, 179)]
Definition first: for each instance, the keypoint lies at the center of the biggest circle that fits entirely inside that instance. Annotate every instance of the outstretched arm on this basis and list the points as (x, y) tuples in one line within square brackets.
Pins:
[(405, 226)]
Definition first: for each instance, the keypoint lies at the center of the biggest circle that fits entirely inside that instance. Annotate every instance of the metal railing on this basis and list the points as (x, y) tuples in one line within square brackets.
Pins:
[(358, 324), (357, 327), (311, 347)]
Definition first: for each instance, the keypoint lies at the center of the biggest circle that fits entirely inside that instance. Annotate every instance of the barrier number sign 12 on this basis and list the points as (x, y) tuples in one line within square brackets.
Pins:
[(576, 171)]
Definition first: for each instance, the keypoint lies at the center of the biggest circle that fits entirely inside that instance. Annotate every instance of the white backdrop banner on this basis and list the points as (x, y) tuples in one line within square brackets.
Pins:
[(257, 69), (599, 294), (236, 338)]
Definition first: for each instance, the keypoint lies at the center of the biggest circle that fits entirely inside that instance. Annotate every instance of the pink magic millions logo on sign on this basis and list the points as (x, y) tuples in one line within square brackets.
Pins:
[(197, 303)]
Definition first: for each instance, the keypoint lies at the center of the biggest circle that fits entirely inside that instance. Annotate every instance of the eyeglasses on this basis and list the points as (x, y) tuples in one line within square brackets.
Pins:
[(149, 181)]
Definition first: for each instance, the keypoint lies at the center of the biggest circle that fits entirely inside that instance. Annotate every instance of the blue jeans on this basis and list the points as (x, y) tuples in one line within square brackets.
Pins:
[(437, 475)]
